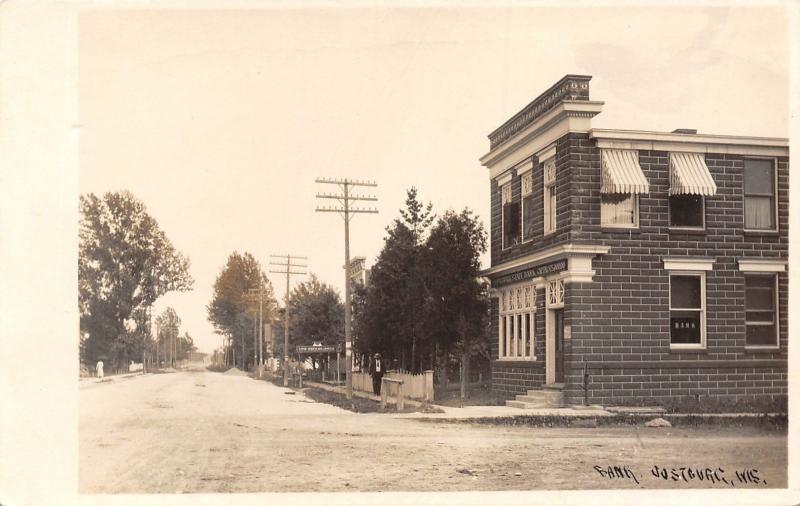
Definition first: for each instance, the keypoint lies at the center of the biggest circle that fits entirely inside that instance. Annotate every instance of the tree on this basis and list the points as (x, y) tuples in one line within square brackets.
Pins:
[(457, 308), (233, 309), (125, 262), (168, 324), (316, 313), (389, 321)]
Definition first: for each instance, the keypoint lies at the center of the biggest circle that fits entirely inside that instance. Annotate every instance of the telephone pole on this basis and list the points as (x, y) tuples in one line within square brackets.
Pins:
[(288, 266), (259, 292), (345, 211)]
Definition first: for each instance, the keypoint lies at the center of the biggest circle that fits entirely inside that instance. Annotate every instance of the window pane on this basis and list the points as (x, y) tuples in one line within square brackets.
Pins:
[(617, 209), (511, 219), (527, 218), (758, 176), (684, 327), (760, 316), (761, 335), (502, 348), (686, 211), (685, 292), (759, 292), (759, 212), (529, 328)]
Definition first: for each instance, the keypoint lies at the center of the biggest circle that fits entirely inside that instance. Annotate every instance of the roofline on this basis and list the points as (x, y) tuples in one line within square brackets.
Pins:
[(646, 135)]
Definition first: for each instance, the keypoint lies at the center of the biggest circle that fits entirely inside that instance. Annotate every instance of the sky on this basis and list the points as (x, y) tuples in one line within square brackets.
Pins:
[(220, 120)]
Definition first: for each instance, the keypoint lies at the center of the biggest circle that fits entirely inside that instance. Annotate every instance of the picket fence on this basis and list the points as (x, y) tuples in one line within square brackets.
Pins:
[(416, 386)]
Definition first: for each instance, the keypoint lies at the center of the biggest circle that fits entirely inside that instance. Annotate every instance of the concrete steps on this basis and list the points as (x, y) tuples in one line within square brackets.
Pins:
[(548, 396)]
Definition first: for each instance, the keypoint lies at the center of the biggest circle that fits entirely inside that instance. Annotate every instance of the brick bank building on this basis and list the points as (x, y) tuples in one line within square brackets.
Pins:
[(655, 262)]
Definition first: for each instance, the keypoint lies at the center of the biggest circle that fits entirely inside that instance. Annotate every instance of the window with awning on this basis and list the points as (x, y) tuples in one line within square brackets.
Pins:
[(689, 175), (690, 182), (622, 182), (621, 172)]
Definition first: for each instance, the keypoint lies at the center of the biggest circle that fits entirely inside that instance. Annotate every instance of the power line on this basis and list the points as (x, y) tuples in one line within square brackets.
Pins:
[(346, 211), (288, 265)]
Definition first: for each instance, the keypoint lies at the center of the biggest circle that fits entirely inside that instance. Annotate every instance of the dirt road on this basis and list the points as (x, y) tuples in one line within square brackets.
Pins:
[(209, 432)]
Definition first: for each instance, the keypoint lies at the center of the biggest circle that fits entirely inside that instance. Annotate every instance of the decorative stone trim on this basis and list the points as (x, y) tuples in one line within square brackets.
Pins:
[(762, 265), (505, 178), (570, 87), (688, 264)]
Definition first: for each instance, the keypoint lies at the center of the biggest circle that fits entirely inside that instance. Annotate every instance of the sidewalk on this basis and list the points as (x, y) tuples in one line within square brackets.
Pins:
[(468, 412), (93, 380)]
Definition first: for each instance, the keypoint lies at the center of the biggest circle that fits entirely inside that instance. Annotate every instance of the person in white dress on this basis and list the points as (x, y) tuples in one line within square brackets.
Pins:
[(99, 368)]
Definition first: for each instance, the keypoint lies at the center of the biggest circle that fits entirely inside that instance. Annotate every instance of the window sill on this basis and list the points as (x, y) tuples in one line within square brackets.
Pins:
[(687, 231), (688, 350), (516, 362), (619, 230), (762, 233), (762, 349)]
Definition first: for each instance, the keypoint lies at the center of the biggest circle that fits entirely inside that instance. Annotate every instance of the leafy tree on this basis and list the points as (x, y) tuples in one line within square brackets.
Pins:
[(317, 313), (457, 307), (233, 309), (125, 262), (168, 324), (389, 321)]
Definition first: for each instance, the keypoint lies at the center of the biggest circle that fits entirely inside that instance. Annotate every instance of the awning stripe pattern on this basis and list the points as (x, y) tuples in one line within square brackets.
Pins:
[(621, 172), (689, 175)]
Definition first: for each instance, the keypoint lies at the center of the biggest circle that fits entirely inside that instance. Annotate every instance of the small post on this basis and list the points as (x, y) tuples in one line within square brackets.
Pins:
[(383, 393), (400, 398)]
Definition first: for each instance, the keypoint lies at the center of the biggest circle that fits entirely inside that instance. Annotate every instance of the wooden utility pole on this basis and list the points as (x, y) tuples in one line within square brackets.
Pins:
[(346, 210), (288, 265), (260, 292)]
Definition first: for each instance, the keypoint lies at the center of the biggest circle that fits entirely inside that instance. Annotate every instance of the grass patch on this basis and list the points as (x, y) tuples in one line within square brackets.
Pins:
[(361, 404)]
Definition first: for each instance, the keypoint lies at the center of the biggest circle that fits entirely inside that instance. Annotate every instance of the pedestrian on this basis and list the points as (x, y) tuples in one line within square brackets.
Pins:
[(99, 369), (377, 374)]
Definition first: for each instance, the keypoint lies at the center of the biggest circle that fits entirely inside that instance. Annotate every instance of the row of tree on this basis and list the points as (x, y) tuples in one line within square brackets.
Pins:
[(125, 263), (425, 306), (316, 312)]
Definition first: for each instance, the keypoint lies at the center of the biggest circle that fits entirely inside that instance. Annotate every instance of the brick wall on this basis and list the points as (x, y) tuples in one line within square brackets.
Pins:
[(623, 315)]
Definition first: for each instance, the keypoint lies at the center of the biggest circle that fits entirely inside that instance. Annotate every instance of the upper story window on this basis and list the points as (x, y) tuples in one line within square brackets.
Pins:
[(622, 182), (526, 181), (511, 217), (549, 196), (690, 182), (759, 194)]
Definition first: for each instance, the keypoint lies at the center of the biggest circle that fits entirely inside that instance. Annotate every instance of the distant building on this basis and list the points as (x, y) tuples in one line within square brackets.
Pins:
[(358, 271), (654, 261)]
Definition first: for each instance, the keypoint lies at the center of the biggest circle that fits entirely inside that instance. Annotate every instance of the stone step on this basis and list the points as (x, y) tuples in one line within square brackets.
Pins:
[(544, 393), (551, 399), (534, 405), (553, 386)]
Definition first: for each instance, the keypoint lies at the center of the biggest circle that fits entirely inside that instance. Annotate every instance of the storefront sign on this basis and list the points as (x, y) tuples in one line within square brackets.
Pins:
[(315, 349), (533, 272)]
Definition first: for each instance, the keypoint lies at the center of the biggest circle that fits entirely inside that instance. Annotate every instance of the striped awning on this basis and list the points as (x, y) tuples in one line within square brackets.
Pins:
[(621, 172), (689, 175)]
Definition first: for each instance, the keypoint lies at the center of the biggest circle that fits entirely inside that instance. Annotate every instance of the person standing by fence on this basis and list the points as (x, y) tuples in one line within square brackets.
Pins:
[(377, 374)]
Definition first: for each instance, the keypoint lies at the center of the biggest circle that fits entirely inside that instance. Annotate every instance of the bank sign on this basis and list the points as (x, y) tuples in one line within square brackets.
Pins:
[(534, 272)]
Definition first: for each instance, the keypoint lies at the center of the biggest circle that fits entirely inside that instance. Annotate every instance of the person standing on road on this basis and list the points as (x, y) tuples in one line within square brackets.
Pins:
[(377, 374), (99, 369)]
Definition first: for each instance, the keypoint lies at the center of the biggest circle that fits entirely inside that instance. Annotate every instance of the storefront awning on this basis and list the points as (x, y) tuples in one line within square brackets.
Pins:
[(689, 175), (621, 172)]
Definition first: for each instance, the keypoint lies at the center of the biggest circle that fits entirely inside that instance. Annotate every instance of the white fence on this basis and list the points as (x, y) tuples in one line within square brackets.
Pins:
[(415, 386), (135, 366)]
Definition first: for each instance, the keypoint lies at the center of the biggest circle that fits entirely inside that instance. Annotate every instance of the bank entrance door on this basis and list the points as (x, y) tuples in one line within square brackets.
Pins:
[(558, 330)]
